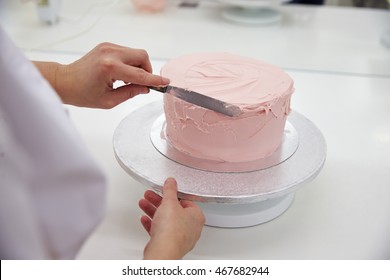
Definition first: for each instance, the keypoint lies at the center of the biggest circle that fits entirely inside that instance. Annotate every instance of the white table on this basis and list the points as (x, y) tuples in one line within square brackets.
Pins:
[(344, 213)]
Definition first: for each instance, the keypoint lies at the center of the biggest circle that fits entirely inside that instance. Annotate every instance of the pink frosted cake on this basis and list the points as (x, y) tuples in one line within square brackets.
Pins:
[(261, 90)]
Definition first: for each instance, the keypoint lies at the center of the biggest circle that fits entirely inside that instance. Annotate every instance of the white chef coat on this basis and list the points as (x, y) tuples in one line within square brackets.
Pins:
[(52, 193)]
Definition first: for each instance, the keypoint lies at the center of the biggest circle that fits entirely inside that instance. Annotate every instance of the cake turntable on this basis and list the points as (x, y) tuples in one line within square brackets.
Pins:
[(259, 192), (252, 12)]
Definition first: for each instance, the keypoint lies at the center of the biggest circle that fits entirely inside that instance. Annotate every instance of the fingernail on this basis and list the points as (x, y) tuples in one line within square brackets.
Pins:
[(170, 180)]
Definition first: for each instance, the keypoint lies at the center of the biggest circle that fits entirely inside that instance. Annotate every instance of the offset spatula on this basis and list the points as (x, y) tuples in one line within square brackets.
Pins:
[(201, 100)]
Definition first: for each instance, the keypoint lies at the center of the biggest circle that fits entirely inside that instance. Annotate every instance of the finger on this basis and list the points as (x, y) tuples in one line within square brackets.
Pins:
[(137, 76), (136, 57), (146, 223), (170, 189), (129, 91), (144, 61), (121, 94), (147, 207), (134, 89), (153, 198)]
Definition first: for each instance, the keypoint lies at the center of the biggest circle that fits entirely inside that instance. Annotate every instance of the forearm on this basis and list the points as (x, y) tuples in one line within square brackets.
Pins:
[(50, 71), (59, 77)]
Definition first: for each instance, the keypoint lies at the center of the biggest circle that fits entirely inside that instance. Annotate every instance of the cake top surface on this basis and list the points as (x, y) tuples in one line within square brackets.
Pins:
[(231, 78)]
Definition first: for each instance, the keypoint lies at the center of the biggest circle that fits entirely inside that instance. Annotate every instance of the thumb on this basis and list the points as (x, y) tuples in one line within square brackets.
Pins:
[(170, 189)]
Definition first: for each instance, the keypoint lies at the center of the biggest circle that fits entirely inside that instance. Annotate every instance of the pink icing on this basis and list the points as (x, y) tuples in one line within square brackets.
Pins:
[(262, 91)]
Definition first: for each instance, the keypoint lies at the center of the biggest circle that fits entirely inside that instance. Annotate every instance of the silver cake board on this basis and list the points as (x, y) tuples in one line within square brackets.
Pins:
[(228, 199)]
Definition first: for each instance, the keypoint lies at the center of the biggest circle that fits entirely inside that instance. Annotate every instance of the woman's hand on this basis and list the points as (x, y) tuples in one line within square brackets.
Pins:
[(174, 226), (88, 82)]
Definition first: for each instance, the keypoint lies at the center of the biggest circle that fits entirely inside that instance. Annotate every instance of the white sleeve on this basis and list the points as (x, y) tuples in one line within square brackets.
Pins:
[(52, 193)]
